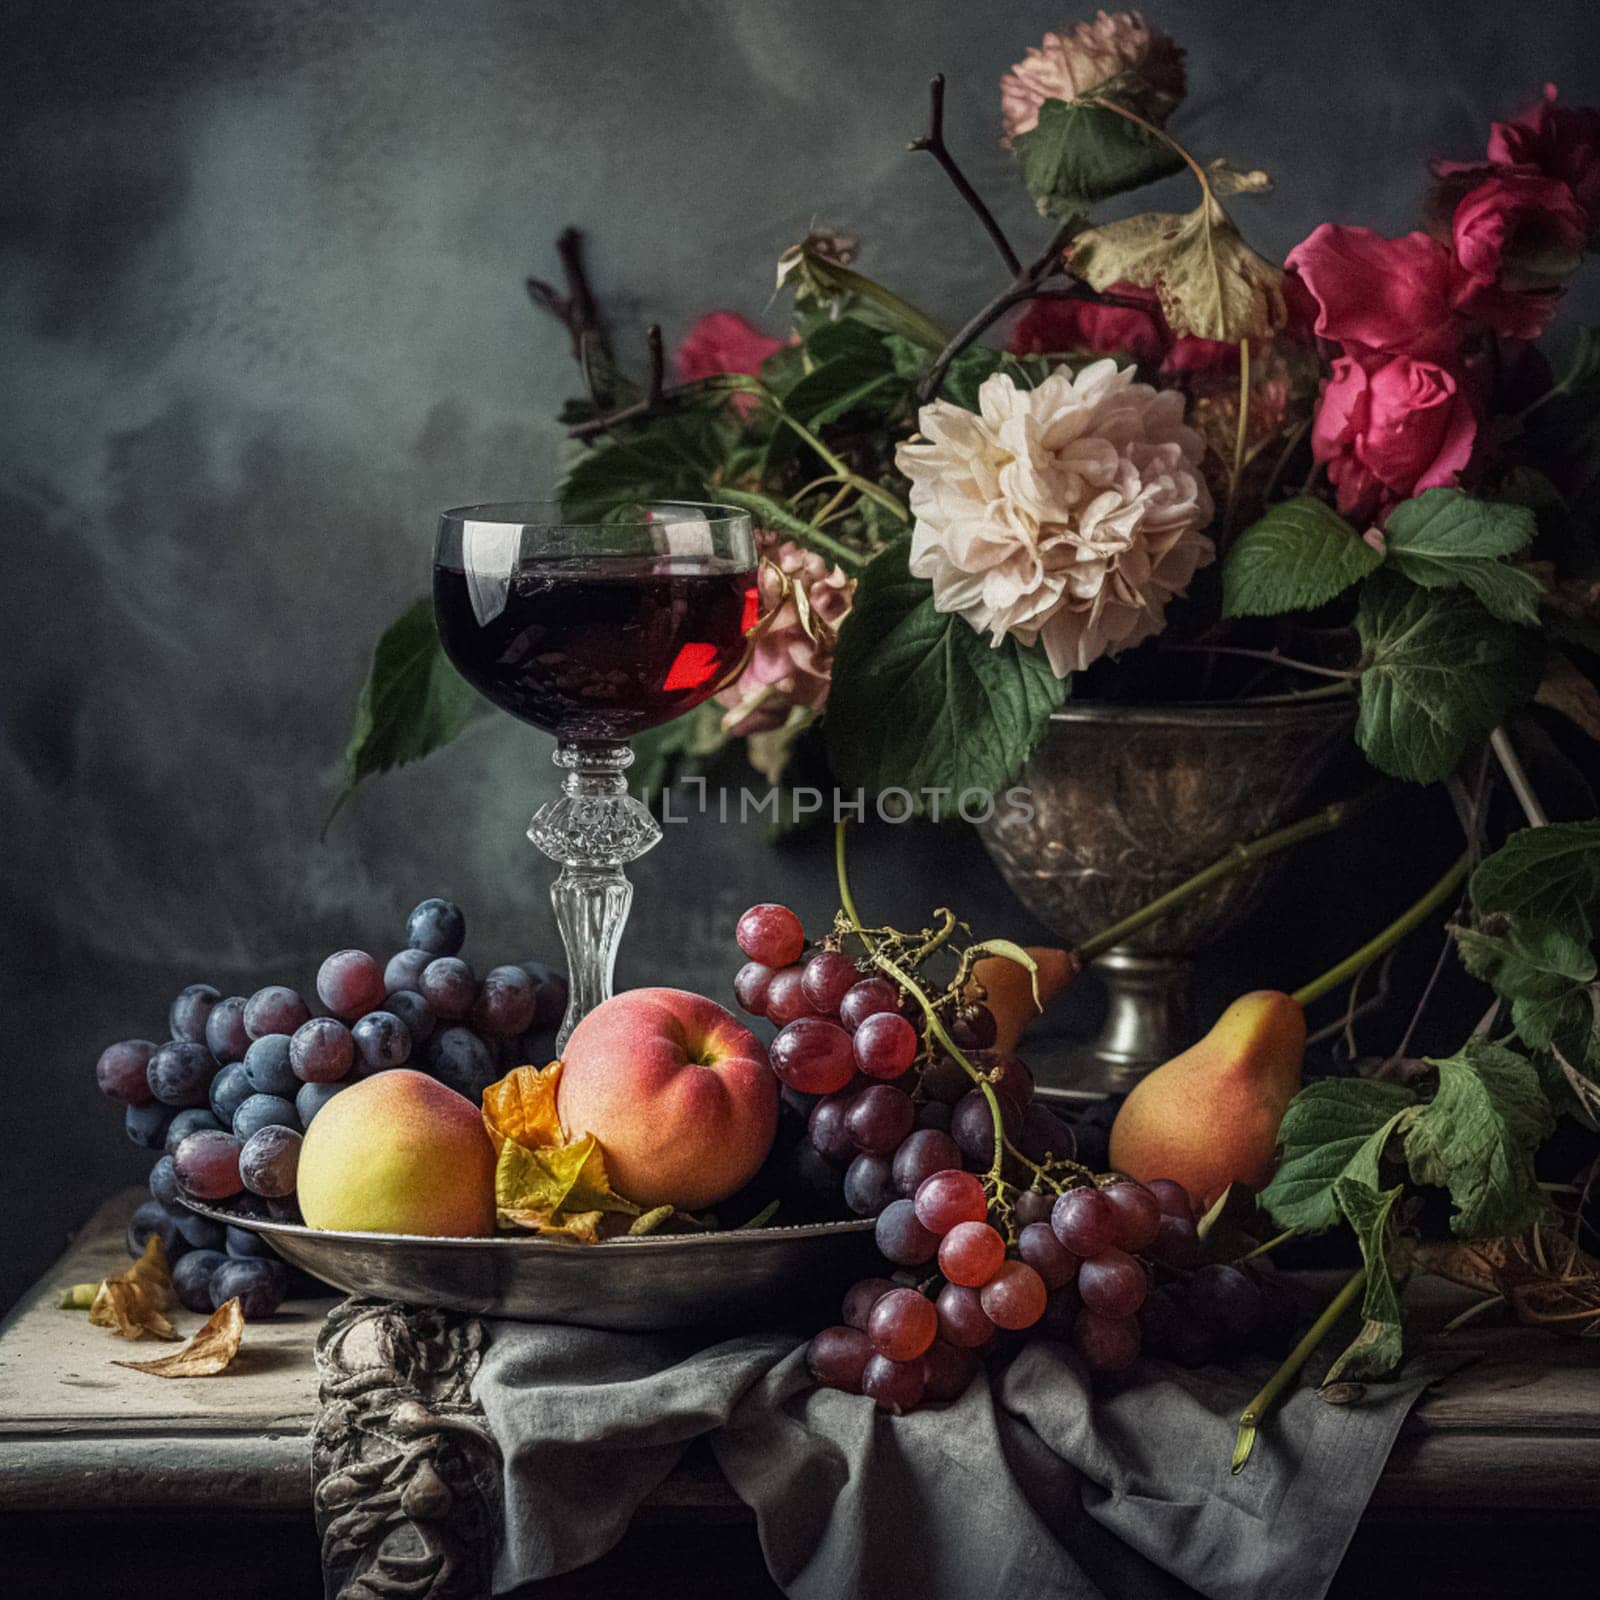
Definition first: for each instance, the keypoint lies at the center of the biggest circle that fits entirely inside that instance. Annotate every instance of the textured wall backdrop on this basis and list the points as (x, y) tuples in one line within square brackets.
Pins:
[(263, 317)]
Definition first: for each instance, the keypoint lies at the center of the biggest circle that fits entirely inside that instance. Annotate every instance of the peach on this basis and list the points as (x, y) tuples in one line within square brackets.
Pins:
[(678, 1092), (399, 1153)]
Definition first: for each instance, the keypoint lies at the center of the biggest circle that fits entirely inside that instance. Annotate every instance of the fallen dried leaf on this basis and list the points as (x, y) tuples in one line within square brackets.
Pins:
[(132, 1302), (1547, 1279), (1565, 689), (208, 1351), (522, 1106)]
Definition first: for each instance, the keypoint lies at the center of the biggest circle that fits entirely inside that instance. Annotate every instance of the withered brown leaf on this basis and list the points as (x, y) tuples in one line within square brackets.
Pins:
[(208, 1350), (132, 1304), (1545, 1277)]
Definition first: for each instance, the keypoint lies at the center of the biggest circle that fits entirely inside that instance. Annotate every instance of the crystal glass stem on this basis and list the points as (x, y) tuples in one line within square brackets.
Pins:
[(592, 828)]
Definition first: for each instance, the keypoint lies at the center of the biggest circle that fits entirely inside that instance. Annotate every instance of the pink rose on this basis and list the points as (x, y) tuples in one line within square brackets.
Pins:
[(1380, 297), (1388, 433), (1050, 327), (1561, 142), (1516, 239), (722, 341)]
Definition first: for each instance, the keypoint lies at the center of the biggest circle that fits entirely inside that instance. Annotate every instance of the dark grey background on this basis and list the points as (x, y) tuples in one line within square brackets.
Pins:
[(263, 318)]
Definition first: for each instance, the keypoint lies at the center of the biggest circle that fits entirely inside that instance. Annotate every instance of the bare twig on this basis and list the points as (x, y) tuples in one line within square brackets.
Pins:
[(576, 310), (1275, 657), (933, 143), (654, 396)]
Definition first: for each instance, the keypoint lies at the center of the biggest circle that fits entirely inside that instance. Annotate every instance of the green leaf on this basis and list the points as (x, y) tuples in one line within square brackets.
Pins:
[(1537, 962), (1544, 875), (1297, 557), (920, 700), (835, 291), (413, 702), (1333, 1129), (674, 456), (1445, 539), (1380, 1345), (1477, 1137), (1080, 152), (1440, 675)]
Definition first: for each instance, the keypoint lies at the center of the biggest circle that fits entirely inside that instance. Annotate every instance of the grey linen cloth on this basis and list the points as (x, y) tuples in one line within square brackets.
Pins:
[(1032, 1484)]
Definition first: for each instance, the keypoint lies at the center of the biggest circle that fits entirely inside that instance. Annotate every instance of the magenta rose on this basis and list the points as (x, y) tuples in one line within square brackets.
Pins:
[(1561, 142), (1388, 433), (1380, 297), (1516, 238), (722, 341)]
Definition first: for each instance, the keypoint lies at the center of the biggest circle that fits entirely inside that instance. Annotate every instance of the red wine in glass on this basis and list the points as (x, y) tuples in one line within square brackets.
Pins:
[(597, 649)]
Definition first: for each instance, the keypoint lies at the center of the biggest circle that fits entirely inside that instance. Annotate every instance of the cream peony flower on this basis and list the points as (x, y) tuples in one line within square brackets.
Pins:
[(791, 663), (1071, 64), (1067, 515)]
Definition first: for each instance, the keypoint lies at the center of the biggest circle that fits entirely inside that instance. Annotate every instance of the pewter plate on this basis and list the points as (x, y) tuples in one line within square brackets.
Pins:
[(648, 1284)]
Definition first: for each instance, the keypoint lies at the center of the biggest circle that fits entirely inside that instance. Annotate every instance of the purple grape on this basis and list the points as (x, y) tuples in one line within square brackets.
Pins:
[(187, 1122), (750, 987), (350, 984), (186, 1018), (180, 1073), (962, 1319), (121, 1071), (275, 1009), (448, 985), (974, 1028), (934, 1114), (225, 1035), (1159, 1319), (460, 1060), (861, 1297), (206, 1165), (1031, 1206), (818, 1183), (1176, 1244), (944, 1079), (267, 1064), (270, 1160), (972, 1125), (258, 1285), (229, 1090), (828, 1131), (163, 1184), (868, 1185), (147, 1125), (243, 1245), (879, 1119), (382, 1041), (404, 968), (1086, 1223), (553, 989), (535, 1048), (901, 1238), (867, 999), (506, 1003), (153, 1217), (894, 1386), (1043, 1134), (1227, 1298), (264, 1111), (321, 1050), (414, 1012), (436, 926), (923, 1154), (312, 1097), (1039, 1247), (837, 1357), (191, 1279), (199, 1233)]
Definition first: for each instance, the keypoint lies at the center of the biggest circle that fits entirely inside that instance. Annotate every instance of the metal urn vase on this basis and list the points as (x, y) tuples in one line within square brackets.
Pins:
[(1128, 801)]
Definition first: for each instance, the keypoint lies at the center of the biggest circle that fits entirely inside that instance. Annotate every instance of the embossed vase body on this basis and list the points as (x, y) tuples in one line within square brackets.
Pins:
[(1128, 801)]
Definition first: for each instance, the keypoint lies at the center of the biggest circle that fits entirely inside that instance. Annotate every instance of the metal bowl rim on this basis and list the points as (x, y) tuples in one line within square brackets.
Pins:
[(724, 1236), (1261, 711)]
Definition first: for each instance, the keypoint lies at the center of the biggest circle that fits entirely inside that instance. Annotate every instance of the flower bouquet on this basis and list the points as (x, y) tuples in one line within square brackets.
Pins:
[(1181, 472)]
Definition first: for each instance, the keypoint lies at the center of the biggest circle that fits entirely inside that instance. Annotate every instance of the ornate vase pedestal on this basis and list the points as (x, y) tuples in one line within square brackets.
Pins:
[(1128, 801)]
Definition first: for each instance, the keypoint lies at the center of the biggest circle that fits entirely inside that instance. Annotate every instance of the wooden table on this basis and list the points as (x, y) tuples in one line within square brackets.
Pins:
[(204, 1486)]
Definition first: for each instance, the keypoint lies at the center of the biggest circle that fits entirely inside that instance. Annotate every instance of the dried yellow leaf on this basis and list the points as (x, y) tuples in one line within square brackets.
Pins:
[(522, 1107), (132, 1302), (561, 1190), (208, 1351)]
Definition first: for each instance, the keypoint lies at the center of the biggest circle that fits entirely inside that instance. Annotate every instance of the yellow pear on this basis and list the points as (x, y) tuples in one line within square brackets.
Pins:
[(1210, 1116)]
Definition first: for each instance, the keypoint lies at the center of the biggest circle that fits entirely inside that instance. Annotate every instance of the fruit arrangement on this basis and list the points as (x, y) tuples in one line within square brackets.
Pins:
[(986, 1213), (226, 1101)]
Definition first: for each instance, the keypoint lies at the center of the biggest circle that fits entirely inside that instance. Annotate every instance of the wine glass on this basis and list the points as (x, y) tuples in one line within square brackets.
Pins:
[(594, 632)]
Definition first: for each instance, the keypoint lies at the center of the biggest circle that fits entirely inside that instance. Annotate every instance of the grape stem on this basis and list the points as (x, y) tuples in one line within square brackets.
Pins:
[(1271, 1244), (1389, 936), (1251, 1418), (932, 1025)]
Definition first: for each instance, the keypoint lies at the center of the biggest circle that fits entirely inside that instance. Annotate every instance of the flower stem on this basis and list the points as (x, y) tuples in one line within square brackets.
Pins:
[(1271, 1244), (1276, 657), (1236, 860), (1391, 935), (1238, 440), (1254, 1413)]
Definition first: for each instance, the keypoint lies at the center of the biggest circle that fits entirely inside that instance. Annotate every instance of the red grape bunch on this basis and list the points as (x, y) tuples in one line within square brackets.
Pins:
[(225, 1101), (983, 1242)]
